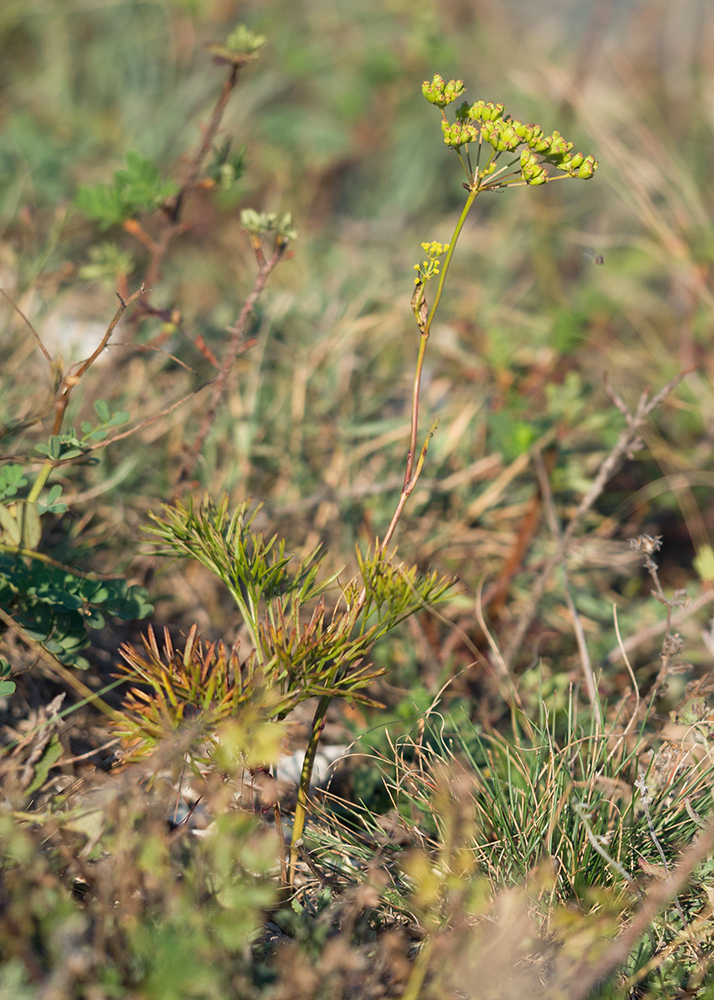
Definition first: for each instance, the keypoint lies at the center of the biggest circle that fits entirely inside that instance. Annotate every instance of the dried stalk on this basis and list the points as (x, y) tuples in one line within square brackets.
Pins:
[(554, 526), (67, 385)]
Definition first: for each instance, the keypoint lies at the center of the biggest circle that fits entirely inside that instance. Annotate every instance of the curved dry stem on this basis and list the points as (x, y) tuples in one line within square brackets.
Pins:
[(68, 384)]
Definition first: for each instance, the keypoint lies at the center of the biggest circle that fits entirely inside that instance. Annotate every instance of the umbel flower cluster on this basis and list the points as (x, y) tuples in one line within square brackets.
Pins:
[(488, 123), (430, 268)]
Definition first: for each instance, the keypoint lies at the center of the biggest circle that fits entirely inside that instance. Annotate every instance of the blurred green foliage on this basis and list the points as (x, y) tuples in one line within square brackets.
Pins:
[(329, 126), (137, 188)]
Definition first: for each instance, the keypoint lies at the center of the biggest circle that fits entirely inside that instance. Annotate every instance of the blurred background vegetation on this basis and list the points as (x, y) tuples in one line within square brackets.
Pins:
[(330, 124), (335, 130)]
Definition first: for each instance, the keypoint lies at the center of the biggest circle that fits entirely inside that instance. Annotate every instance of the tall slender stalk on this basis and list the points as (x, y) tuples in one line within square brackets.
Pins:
[(411, 477), (488, 127), (301, 807)]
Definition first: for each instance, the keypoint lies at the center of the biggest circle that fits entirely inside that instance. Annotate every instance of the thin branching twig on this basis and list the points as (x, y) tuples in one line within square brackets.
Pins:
[(69, 382), (628, 442), (235, 347), (651, 632), (174, 226)]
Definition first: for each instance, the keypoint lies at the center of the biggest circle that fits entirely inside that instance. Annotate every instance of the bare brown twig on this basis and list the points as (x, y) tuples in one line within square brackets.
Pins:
[(55, 378), (23, 317), (188, 183), (68, 383), (189, 179), (117, 437), (651, 632), (235, 347)]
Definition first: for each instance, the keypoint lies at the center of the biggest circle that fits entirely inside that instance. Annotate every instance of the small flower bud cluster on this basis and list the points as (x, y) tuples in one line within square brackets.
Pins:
[(458, 134), (501, 135), (533, 136), (430, 268), (242, 39), (489, 123), (557, 151), (480, 111), (439, 93), (586, 169), (258, 223), (532, 171)]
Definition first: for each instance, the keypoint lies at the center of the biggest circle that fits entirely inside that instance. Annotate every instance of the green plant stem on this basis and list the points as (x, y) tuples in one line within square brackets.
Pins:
[(407, 490), (318, 724), (411, 478), (411, 475), (419, 971), (249, 614), (450, 253), (39, 483)]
